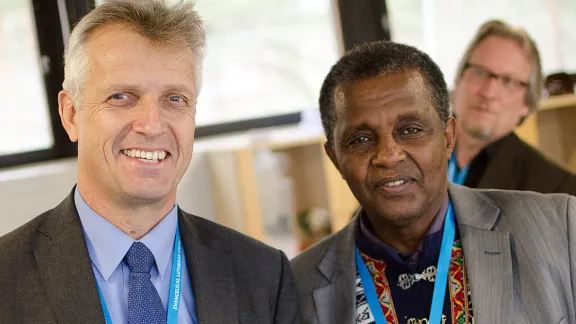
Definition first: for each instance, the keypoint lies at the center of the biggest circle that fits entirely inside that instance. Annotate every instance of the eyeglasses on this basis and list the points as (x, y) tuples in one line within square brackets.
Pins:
[(482, 74)]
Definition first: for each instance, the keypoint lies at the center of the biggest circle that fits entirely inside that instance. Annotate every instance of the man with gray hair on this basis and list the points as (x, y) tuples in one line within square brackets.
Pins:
[(118, 249), (498, 83)]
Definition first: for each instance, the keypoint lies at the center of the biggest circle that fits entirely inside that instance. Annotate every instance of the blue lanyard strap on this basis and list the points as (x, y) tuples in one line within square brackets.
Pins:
[(441, 280), (453, 175), (369, 290), (175, 281)]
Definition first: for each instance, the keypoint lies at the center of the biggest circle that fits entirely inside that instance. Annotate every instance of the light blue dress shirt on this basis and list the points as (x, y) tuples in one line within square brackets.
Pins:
[(107, 246)]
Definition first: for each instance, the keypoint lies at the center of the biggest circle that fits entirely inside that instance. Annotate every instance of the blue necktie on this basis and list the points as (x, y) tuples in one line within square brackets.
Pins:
[(144, 303)]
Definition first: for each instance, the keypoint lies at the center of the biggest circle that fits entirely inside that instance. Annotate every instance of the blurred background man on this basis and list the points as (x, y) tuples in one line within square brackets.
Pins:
[(498, 84)]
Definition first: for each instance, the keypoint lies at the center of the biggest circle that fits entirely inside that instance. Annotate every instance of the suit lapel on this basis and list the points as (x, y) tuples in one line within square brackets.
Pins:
[(211, 274), (65, 269), (335, 302), (487, 256)]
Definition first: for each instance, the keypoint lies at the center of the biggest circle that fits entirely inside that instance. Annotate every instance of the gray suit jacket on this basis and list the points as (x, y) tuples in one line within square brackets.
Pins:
[(46, 274), (519, 249)]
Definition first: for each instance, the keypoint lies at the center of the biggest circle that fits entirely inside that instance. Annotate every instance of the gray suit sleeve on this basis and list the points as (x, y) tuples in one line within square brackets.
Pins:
[(287, 305), (571, 221)]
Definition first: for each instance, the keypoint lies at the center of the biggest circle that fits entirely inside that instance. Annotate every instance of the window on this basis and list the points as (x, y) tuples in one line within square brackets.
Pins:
[(443, 28), (24, 117), (264, 57)]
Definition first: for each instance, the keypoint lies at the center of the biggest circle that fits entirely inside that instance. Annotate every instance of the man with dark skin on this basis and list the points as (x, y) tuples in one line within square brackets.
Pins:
[(421, 249)]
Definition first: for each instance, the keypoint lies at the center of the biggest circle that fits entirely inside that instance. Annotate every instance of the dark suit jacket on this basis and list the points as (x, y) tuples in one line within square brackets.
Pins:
[(46, 274), (515, 165)]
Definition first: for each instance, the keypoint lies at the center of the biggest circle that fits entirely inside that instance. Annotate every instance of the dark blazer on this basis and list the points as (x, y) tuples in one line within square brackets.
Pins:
[(515, 165), (46, 274), (519, 252)]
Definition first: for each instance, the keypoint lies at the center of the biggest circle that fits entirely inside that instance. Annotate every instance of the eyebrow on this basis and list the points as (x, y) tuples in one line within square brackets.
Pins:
[(510, 75), (409, 116), (136, 88), (360, 127)]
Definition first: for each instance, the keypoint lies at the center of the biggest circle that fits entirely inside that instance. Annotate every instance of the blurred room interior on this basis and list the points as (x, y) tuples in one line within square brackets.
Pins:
[(259, 164)]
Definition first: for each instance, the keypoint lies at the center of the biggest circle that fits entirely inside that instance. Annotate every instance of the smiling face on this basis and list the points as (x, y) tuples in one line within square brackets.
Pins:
[(135, 125), (391, 148), (486, 110)]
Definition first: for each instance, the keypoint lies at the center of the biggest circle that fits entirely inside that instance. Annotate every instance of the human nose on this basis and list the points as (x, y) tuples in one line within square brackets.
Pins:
[(389, 153), (149, 120), (490, 87)]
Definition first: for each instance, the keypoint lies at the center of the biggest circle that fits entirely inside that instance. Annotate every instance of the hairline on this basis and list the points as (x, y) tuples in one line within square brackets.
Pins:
[(339, 91)]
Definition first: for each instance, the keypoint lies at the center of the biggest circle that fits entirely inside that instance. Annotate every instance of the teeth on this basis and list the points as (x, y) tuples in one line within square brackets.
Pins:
[(152, 157), (394, 183)]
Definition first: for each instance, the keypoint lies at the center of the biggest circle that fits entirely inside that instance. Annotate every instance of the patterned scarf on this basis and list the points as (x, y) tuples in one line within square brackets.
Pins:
[(460, 297)]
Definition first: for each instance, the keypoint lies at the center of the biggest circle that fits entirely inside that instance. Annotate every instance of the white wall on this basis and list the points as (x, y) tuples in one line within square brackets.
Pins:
[(26, 192)]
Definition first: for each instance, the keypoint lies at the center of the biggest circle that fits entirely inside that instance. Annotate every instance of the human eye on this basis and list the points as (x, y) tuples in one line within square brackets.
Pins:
[(359, 140), (510, 83), (410, 130), (118, 96), (177, 99), (480, 73), (119, 99)]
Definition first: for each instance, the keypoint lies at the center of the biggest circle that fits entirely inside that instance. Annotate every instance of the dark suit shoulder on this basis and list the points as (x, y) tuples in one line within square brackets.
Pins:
[(23, 238), (37, 230), (532, 157), (228, 240), (18, 275), (540, 173), (260, 272)]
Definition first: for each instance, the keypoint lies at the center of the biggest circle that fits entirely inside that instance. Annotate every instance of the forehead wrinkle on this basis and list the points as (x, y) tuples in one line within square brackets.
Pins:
[(413, 83)]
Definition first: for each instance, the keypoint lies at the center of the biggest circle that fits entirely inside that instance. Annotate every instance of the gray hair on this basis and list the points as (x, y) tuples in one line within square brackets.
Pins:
[(160, 24), (521, 37)]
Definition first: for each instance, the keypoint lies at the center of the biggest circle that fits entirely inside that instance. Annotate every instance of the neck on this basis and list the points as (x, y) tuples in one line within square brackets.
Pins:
[(134, 218), (467, 147), (405, 237)]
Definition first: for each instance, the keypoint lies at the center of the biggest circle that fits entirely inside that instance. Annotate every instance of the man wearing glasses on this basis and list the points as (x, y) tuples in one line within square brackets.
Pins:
[(498, 83)]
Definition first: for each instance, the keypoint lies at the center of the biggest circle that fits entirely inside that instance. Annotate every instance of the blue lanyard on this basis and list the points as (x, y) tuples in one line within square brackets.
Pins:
[(441, 280), (175, 281), (453, 175)]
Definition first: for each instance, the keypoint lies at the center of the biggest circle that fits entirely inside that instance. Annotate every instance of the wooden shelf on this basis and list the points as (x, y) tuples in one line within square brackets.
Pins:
[(558, 102), (316, 181), (552, 130)]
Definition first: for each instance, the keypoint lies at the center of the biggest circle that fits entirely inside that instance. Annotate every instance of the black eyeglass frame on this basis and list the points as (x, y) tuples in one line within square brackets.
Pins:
[(502, 77)]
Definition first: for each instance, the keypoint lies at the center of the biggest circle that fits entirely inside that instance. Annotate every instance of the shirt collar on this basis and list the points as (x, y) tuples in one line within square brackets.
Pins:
[(435, 227), (107, 245)]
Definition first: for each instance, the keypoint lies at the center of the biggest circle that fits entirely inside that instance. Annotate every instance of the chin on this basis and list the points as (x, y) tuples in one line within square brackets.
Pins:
[(479, 132), (401, 217), (146, 193)]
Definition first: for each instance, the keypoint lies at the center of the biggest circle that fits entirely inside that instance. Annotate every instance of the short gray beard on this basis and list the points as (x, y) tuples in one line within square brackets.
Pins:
[(477, 133)]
